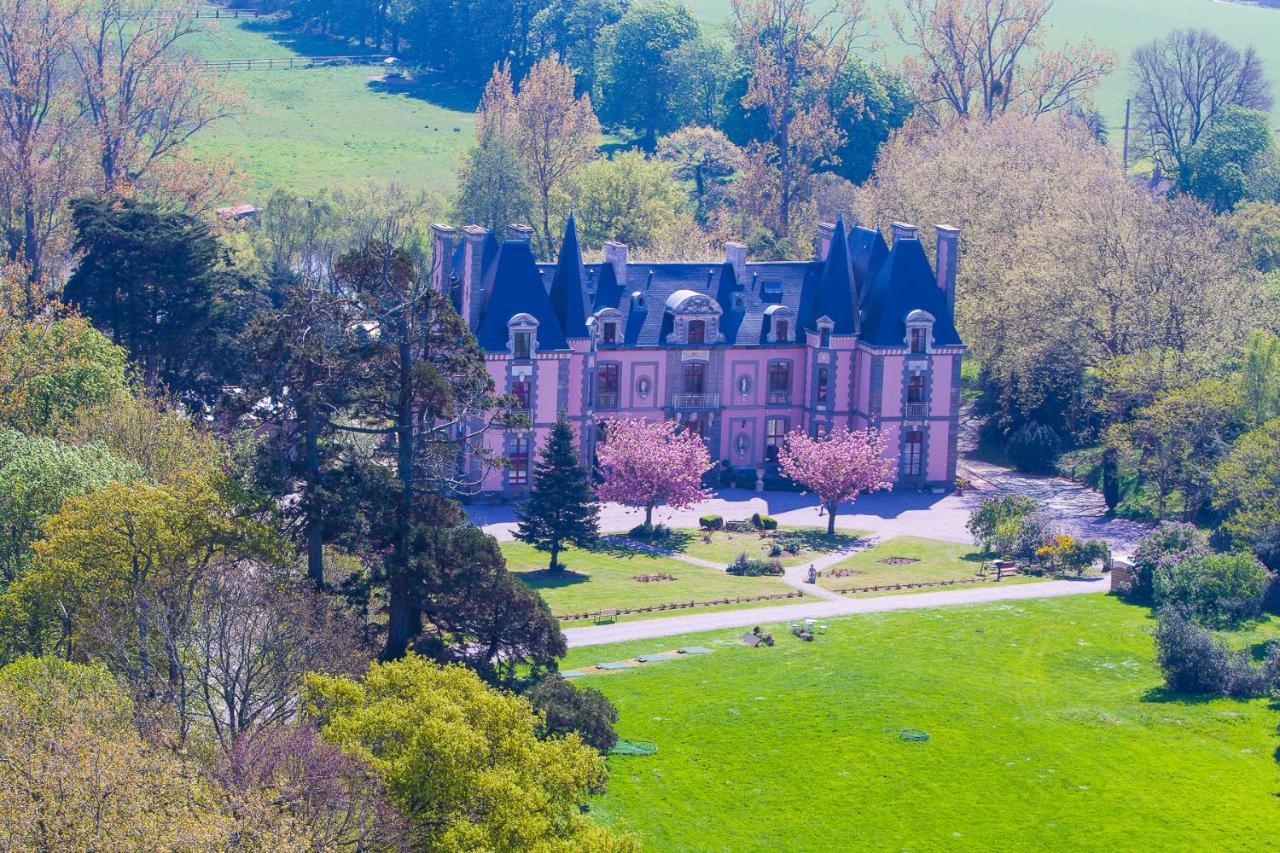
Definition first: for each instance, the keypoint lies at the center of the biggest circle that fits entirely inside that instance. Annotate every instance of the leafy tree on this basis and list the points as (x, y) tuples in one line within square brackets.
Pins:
[(1257, 224), (78, 776), (1177, 440), (1168, 544), (158, 282), (869, 103), (1182, 82), (555, 133), (1260, 378), (646, 463), (561, 509), (1234, 160), (463, 760), (982, 58), (572, 30), (704, 69), (626, 197), (1195, 661), (705, 156), (494, 187), (36, 476), (638, 82), (992, 512), (1218, 589), (1247, 488), (839, 465), (567, 709)]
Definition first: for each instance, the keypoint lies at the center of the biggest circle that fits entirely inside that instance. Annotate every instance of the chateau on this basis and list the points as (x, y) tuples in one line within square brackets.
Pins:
[(740, 352)]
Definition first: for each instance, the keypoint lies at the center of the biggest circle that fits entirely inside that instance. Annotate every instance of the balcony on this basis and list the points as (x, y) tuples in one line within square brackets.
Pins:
[(695, 401), (779, 398), (915, 411), (607, 400)]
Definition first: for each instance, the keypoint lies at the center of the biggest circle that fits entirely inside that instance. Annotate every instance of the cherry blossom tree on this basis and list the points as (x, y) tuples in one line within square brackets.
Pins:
[(645, 463), (838, 466)]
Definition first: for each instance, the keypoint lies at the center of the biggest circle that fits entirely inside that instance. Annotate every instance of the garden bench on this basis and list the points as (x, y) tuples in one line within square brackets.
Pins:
[(604, 616)]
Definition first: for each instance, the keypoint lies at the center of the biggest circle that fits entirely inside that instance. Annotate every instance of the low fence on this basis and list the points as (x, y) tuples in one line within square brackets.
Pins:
[(679, 605), (889, 587), (281, 63)]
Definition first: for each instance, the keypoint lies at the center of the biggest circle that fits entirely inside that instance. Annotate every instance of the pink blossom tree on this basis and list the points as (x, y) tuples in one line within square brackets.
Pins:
[(646, 463), (838, 466)]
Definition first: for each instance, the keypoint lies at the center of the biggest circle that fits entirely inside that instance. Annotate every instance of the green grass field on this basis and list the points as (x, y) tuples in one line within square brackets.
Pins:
[(310, 128), (936, 561), (1049, 730), (726, 545), (602, 580)]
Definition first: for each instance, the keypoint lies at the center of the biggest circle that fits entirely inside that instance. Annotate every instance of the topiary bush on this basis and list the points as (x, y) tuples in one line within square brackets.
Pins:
[(775, 550), (711, 522), (768, 522), (751, 567)]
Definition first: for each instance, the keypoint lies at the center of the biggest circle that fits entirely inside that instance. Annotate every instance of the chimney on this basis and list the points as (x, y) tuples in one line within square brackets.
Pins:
[(903, 231), (735, 254), (615, 255), (516, 231), (826, 231), (472, 284), (948, 259), (444, 238)]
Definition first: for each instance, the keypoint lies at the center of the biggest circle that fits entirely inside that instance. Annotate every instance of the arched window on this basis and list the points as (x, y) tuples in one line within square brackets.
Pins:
[(919, 332), (522, 331)]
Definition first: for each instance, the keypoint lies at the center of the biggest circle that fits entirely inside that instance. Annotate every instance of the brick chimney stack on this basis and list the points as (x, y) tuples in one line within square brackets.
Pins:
[(826, 231), (903, 231), (735, 254), (444, 238), (948, 260)]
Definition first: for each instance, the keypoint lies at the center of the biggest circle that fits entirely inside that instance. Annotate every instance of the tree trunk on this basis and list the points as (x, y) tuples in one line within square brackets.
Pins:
[(648, 516), (831, 519), (555, 566)]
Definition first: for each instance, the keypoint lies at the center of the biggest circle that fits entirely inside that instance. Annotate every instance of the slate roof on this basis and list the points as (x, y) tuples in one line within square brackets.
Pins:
[(905, 283), (860, 270), (513, 285)]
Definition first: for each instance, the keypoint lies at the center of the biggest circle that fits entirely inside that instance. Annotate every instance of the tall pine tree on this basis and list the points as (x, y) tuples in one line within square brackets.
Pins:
[(562, 508)]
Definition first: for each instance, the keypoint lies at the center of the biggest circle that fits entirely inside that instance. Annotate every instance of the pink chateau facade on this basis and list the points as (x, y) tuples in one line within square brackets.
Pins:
[(740, 352)]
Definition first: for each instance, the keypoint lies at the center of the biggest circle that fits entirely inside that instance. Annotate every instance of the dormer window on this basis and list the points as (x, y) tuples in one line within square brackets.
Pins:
[(919, 332), (637, 300), (523, 330), (697, 332), (609, 333), (779, 324), (695, 318)]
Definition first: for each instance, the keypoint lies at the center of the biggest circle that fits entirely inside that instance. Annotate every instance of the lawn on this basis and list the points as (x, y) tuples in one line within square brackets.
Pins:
[(1122, 27), (935, 561), (602, 580), (311, 128), (1049, 730), (725, 545)]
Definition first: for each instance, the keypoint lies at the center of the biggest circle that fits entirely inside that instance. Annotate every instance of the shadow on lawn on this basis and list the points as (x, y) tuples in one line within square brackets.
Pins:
[(543, 579), (617, 546), (1165, 696), (818, 540)]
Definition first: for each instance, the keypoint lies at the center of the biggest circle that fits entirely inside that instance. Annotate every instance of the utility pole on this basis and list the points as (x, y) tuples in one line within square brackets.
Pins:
[(1128, 102)]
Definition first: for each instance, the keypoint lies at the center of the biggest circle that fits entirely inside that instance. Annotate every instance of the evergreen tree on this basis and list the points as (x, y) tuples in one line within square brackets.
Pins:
[(562, 509)]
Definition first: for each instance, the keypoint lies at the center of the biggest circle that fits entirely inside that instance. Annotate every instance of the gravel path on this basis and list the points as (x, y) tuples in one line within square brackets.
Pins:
[(652, 628)]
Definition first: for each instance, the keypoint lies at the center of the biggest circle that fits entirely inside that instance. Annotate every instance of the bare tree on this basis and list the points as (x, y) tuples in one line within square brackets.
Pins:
[(982, 58), (39, 133), (253, 637), (796, 50), (143, 99), (1182, 81)]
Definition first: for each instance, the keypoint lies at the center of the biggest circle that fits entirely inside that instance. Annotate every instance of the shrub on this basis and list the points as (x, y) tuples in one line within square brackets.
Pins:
[(739, 526), (985, 521), (1194, 661), (1170, 543), (650, 533), (567, 708), (793, 547), (752, 567), (1218, 589), (711, 522), (755, 521), (768, 522), (775, 550), (1067, 554)]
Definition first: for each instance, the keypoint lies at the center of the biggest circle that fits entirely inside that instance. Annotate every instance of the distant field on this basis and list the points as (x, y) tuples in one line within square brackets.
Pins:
[(1121, 25), (327, 127), (1049, 729)]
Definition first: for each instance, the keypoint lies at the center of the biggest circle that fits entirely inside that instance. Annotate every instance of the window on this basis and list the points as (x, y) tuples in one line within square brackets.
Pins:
[(775, 433), (914, 456), (697, 332), (779, 381), (519, 459), (695, 377), (521, 391), (609, 335), (780, 330), (607, 386), (824, 338), (824, 376), (521, 344), (919, 339), (915, 389)]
